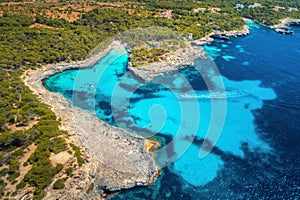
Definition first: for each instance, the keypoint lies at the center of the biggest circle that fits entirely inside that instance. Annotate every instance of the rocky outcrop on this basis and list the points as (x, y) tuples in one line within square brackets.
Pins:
[(171, 62), (184, 56), (284, 26), (237, 33), (116, 159), (222, 35), (286, 31), (219, 37)]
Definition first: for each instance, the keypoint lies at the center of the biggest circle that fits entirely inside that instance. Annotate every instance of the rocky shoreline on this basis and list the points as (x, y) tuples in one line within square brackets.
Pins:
[(116, 159), (284, 26), (173, 61), (222, 35), (182, 57)]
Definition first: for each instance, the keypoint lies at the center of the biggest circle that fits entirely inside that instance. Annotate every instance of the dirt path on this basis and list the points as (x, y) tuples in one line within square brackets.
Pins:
[(30, 124)]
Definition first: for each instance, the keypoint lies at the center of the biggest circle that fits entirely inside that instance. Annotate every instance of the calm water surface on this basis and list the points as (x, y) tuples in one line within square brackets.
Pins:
[(258, 153)]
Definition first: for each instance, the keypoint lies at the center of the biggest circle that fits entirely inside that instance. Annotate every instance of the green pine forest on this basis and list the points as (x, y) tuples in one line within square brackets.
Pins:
[(26, 45)]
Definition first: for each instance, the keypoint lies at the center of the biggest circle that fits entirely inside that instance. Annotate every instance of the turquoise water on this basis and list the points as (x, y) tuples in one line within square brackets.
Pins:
[(257, 153)]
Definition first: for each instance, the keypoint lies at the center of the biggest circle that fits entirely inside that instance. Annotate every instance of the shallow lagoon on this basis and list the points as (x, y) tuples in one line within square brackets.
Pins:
[(253, 156)]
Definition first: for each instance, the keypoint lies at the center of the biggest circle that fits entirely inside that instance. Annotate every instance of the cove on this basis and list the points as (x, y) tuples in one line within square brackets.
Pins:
[(262, 99)]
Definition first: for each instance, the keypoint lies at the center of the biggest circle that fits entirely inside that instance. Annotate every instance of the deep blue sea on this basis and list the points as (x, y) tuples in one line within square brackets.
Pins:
[(254, 102)]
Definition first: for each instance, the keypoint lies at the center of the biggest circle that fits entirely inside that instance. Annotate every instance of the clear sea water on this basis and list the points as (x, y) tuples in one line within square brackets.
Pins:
[(257, 155)]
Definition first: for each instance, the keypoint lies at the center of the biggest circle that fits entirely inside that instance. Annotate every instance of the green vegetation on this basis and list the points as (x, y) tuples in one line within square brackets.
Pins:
[(2, 188), (78, 154), (65, 41), (268, 12), (31, 38), (42, 172), (19, 107), (57, 145), (271, 18), (69, 171), (146, 56), (59, 184), (91, 187), (23, 45)]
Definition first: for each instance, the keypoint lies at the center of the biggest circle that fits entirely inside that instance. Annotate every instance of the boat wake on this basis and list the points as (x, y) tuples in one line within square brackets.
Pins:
[(217, 95)]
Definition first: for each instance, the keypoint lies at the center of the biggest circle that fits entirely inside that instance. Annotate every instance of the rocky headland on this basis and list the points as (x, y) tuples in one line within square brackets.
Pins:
[(173, 61), (284, 26), (183, 57), (225, 35)]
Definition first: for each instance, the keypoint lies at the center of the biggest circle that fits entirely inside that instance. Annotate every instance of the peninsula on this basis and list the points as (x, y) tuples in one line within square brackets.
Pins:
[(52, 150)]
